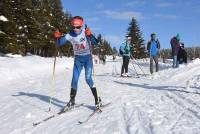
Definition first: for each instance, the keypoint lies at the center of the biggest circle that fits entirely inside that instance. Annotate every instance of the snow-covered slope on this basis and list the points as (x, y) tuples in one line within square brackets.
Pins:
[(166, 102)]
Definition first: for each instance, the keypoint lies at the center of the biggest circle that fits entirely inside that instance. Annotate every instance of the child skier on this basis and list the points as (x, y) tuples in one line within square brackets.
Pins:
[(81, 43)]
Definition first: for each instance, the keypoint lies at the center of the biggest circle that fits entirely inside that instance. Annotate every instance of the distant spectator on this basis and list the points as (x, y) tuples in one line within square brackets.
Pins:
[(114, 57), (175, 45), (153, 47), (104, 59), (125, 51), (182, 55)]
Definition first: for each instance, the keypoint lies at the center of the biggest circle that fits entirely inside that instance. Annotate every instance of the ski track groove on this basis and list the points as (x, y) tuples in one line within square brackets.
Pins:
[(189, 101), (137, 119), (144, 122), (181, 103), (176, 122), (127, 119)]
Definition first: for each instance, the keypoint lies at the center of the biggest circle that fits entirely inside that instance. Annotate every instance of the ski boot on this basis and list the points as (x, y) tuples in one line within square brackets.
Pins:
[(71, 103), (98, 103), (124, 75)]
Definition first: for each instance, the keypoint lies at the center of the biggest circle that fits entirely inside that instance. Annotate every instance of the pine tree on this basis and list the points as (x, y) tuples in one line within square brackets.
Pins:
[(26, 24), (114, 50), (31, 26), (107, 48), (67, 49), (9, 32), (48, 16), (137, 40), (56, 19), (104, 48)]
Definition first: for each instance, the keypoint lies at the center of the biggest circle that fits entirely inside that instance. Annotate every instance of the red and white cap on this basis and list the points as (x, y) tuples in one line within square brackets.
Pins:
[(77, 22)]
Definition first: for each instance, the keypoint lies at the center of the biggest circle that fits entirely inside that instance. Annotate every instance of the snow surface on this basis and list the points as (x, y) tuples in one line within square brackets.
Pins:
[(3, 18), (167, 102)]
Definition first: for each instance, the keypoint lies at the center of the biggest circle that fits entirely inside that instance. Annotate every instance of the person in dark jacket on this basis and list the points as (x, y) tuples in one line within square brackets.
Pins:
[(175, 45), (153, 47), (182, 55)]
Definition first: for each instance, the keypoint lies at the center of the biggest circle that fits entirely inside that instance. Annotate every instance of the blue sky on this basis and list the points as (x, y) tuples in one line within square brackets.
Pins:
[(166, 18)]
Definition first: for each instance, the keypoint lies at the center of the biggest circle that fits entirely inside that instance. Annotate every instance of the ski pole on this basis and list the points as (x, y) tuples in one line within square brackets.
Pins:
[(93, 70), (94, 76), (139, 66), (135, 70), (53, 78)]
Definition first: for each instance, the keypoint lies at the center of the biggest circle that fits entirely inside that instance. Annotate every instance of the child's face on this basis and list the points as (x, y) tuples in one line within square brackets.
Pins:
[(77, 28)]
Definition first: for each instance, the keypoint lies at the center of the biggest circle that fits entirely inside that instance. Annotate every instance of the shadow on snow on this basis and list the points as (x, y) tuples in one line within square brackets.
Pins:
[(161, 88)]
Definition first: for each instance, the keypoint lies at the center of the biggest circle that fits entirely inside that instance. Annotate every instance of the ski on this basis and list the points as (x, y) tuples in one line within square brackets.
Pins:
[(64, 110), (93, 113), (126, 76)]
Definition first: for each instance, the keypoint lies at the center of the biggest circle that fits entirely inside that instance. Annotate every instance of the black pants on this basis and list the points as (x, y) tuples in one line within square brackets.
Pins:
[(125, 64), (182, 56)]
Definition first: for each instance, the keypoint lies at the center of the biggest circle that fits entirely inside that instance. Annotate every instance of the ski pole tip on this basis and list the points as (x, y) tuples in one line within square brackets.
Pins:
[(80, 122)]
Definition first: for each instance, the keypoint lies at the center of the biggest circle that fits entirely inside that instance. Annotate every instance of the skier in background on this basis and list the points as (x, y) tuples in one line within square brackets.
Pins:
[(125, 51)]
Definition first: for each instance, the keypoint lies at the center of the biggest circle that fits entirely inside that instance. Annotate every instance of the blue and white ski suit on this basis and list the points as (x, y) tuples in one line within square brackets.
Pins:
[(83, 57)]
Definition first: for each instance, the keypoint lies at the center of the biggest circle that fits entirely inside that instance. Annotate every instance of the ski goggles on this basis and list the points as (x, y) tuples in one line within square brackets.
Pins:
[(76, 27)]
